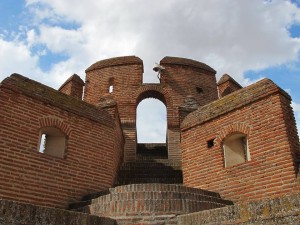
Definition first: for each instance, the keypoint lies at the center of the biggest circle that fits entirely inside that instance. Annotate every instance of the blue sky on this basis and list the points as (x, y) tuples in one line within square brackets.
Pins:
[(49, 40)]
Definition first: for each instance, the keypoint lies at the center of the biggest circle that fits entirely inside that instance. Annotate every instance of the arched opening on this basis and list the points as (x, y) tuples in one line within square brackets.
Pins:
[(52, 142), (151, 125), (235, 149)]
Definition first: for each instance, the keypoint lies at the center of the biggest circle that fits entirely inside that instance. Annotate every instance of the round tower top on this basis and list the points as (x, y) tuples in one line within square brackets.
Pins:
[(116, 61), (186, 62)]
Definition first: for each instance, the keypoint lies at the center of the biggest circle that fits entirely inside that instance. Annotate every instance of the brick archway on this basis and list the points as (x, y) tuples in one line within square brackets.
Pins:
[(161, 93), (151, 94), (161, 104), (153, 91), (52, 121)]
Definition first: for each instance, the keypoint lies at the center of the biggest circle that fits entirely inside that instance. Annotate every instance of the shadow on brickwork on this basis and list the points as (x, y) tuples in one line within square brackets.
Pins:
[(152, 151), (150, 171), (151, 166)]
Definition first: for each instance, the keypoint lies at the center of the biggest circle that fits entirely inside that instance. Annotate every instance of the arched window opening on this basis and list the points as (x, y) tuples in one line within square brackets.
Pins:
[(235, 149), (151, 129), (111, 85), (151, 121), (52, 142)]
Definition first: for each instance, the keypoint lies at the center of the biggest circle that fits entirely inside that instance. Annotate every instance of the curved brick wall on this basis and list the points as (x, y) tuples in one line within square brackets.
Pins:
[(147, 202), (186, 77), (94, 145), (181, 78), (116, 61), (186, 62)]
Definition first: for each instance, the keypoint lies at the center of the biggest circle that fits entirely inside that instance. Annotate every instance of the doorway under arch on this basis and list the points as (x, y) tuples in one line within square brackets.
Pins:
[(151, 126)]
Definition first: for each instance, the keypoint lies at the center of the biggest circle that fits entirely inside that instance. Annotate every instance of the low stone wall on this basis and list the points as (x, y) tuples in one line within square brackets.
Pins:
[(284, 210), (16, 213)]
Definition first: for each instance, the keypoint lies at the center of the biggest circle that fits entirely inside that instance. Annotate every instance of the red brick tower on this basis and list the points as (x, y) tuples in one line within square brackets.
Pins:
[(121, 78)]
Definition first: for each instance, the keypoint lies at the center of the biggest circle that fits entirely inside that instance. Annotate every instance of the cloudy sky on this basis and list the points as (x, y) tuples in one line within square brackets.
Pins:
[(49, 40)]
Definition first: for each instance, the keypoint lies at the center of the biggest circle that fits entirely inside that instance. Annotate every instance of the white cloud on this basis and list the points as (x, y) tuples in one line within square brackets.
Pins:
[(16, 57), (60, 40), (232, 36), (151, 121), (31, 37)]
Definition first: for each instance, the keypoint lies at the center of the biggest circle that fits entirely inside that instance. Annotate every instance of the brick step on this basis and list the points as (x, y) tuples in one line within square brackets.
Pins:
[(118, 208), (162, 161), (153, 164), (152, 150), (157, 187), (151, 192), (144, 157), (150, 171), (154, 195), (146, 169), (125, 181)]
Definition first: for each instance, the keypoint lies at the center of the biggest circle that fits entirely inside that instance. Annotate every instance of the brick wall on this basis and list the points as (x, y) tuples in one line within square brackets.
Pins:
[(180, 78), (227, 85), (94, 144), (73, 86), (262, 112), (186, 77)]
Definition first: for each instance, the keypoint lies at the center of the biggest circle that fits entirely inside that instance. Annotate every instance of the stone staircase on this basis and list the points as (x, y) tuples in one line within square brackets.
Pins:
[(150, 171), (149, 191), (151, 166), (152, 151), (150, 203)]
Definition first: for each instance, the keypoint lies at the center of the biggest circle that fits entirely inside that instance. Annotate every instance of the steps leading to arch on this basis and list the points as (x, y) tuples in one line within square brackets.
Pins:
[(152, 151), (140, 202), (150, 171)]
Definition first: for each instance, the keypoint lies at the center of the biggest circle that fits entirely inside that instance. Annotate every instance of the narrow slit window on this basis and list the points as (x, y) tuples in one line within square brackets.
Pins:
[(42, 143), (111, 89), (111, 85)]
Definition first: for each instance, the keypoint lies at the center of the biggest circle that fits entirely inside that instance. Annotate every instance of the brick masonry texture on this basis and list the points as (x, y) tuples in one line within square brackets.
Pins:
[(116, 61), (258, 111), (180, 79), (47, 95), (236, 100), (152, 202), (186, 62), (73, 87), (16, 213), (101, 149), (227, 85), (284, 210), (94, 145)]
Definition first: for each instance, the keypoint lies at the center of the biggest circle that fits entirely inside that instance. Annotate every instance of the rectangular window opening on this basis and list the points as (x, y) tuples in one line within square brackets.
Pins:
[(210, 143), (43, 143)]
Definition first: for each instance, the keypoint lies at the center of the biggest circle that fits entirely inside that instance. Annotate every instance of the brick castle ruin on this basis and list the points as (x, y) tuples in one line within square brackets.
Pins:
[(71, 158)]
